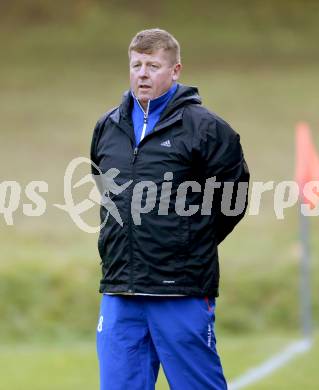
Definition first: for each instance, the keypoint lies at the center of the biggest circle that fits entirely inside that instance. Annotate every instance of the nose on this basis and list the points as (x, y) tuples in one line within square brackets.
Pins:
[(143, 71)]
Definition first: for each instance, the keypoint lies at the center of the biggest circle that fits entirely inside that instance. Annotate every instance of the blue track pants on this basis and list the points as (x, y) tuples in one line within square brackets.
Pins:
[(137, 333)]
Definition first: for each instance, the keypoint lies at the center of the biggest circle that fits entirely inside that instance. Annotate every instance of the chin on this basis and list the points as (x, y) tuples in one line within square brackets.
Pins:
[(144, 98)]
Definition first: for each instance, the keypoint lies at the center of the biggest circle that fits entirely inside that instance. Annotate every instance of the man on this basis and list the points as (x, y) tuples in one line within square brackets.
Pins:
[(160, 269)]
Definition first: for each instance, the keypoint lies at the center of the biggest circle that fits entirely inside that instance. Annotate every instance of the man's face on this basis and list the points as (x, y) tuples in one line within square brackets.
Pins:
[(151, 75)]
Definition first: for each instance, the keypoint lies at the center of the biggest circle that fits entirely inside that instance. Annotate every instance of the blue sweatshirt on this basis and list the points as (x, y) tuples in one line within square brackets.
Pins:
[(144, 122)]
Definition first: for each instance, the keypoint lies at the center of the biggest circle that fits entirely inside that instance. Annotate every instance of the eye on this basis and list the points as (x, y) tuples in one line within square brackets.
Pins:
[(154, 66), (135, 66)]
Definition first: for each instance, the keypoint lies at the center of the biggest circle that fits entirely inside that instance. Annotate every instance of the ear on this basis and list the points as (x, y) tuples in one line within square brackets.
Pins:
[(176, 71)]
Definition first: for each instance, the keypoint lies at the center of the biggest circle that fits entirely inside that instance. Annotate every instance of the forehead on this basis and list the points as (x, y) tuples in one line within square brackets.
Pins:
[(159, 55)]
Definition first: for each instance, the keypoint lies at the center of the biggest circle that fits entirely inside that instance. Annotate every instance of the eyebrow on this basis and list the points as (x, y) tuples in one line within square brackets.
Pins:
[(148, 62)]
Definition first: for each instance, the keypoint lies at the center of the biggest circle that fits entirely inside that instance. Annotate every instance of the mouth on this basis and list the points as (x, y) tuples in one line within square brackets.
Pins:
[(144, 87)]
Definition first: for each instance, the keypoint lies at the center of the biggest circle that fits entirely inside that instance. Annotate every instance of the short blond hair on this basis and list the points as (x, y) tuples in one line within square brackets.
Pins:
[(148, 41)]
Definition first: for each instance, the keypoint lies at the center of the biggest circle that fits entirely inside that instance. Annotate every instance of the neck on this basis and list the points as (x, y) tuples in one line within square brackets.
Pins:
[(144, 104)]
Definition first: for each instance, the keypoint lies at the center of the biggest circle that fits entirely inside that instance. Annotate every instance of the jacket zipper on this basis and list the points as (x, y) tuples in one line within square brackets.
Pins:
[(135, 151), (131, 284), (145, 118), (134, 154)]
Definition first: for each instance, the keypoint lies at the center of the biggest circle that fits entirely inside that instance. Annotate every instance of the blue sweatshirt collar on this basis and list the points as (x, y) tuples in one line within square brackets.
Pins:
[(155, 104)]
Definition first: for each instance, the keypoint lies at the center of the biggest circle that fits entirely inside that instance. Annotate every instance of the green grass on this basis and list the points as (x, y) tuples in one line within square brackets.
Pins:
[(74, 365)]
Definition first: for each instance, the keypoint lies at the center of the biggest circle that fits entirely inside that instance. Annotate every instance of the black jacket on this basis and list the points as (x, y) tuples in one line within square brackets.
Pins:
[(166, 254)]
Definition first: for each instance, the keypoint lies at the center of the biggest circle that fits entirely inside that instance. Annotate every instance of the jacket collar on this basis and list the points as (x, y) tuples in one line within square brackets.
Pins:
[(184, 95)]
